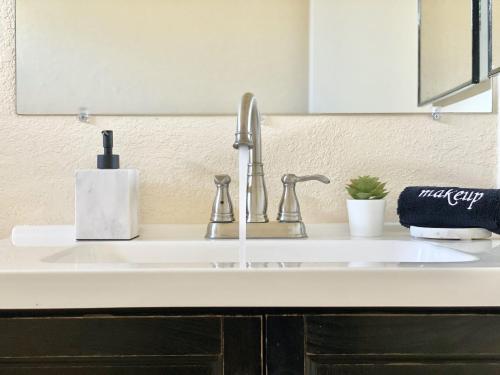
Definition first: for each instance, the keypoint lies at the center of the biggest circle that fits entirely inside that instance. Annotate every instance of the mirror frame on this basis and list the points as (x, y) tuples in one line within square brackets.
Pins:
[(491, 72), (476, 54)]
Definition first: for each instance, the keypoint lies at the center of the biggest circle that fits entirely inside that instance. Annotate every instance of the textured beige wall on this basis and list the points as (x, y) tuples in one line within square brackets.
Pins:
[(177, 156)]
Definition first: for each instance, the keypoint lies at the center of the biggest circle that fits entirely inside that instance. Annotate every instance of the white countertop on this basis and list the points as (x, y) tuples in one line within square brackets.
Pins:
[(48, 269)]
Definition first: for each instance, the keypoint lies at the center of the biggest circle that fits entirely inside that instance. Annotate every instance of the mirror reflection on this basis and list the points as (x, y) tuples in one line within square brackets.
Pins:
[(447, 56)]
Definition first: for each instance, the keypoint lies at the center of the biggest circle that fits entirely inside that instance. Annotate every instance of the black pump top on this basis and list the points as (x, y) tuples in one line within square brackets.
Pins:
[(108, 160)]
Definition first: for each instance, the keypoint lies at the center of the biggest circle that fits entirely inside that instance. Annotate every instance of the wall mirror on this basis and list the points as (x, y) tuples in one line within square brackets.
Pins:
[(450, 37), (494, 37), (168, 57)]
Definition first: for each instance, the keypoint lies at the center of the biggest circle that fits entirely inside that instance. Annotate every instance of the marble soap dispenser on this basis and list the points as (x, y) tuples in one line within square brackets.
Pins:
[(107, 198)]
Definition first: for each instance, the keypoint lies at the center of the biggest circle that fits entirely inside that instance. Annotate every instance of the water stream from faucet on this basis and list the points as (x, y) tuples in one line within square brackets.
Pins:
[(243, 178)]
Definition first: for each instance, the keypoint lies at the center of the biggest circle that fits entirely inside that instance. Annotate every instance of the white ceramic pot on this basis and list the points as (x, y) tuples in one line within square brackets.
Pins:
[(366, 217)]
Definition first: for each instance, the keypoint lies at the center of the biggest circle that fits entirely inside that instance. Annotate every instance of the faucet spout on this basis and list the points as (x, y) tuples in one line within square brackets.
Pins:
[(248, 134), (246, 122)]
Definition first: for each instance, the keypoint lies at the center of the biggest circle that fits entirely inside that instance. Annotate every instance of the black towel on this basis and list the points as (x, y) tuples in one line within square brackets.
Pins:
[(450, 207)]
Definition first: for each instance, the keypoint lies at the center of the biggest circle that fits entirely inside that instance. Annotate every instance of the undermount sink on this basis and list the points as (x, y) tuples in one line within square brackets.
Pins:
[(267, 254)]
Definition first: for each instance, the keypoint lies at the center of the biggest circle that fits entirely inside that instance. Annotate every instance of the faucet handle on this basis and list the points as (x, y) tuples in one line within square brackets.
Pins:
[(222, 179), (222, 208), (292, 179), (289, 208)]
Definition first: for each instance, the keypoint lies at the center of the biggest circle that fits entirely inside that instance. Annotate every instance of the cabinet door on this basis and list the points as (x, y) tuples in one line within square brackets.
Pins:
[(147, 345), (101, 369), (394, 344), (383, 344), (402, 369)]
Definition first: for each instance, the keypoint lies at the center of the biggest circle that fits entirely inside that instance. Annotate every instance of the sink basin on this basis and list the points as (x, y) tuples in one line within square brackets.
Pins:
[(270, 253)]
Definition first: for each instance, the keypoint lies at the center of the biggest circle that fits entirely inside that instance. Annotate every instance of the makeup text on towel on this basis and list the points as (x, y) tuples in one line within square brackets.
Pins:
[(453, 196)]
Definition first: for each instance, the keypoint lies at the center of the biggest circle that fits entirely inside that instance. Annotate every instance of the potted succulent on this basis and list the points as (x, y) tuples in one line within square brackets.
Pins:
[(366, 207)]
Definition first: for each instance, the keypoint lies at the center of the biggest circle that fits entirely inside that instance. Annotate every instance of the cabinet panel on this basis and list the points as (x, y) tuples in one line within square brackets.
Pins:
[(285, 344), (406, 369), (199, 345), (110, 336), (403, 334), (113, 370), (243, 346)]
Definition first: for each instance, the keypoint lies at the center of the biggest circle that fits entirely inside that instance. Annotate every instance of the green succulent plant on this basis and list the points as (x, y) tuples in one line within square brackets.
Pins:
[(366, 187)]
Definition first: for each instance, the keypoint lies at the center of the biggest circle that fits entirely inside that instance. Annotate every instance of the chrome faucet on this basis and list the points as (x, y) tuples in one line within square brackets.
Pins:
[(248, 134), (289, 220)]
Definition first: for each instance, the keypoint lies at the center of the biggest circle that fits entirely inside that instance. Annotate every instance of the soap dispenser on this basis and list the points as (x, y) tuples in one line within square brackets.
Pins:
[(107, 198)]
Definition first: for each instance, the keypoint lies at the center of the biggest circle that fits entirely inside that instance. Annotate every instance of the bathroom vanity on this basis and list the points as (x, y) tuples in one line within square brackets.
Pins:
[(171, 303), (250, 342)]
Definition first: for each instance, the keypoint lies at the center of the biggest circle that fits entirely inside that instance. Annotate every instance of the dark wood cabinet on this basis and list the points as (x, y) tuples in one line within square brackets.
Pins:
[(384, 344), (250, 342), (402, 369), (150, 345), (285, 344), (112, 369)]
